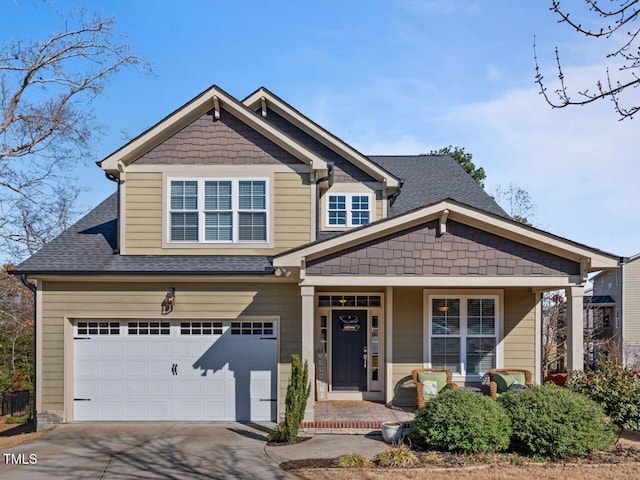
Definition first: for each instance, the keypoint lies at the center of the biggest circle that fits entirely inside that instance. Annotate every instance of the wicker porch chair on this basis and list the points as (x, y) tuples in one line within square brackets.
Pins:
[(420, 401), (494, 389)]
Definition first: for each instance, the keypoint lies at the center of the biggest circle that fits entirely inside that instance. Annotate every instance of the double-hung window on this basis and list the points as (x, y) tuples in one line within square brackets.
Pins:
[(218, 210), (348, 209), (463, 332)]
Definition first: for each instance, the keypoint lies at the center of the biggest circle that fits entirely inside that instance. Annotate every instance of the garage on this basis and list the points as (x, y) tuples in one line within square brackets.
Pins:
[(141, 370)]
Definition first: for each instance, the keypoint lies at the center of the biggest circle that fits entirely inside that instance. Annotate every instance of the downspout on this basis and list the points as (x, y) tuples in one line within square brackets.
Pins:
[(392, 198), (31, 286), (113, 178), (328, 177)]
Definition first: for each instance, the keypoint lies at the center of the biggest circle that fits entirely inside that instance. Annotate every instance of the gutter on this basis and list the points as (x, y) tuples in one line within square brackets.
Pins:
[(31, 286), (329, 178), (113, 178)]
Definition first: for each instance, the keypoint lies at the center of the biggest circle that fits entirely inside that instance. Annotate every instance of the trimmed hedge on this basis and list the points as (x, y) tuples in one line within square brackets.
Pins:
[(462, 421), (555, 422)]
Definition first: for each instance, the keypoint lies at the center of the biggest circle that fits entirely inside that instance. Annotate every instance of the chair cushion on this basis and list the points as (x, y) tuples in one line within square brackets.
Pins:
[(439, 377), (504, 381), (429, 389)]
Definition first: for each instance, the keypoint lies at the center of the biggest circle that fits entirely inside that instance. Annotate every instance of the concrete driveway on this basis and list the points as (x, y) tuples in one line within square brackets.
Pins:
[(142, 450)]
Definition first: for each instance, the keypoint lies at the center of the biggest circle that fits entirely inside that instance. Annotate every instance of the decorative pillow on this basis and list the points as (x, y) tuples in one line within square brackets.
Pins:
[(515, 386), (504, 380), (429, 389), (439, 377)]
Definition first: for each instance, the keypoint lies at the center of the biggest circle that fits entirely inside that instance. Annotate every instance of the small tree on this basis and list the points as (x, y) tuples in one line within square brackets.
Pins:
[(298, 392), (464, 160)]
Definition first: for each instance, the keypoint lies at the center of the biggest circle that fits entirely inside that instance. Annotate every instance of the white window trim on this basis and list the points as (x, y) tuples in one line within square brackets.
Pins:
[(463, 295), (235, 210), (349, 202)]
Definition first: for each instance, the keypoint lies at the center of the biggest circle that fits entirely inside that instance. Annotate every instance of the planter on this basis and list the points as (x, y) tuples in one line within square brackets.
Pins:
[(391, 431)]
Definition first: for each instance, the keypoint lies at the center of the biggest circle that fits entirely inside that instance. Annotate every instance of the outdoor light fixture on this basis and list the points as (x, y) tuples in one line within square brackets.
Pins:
[(169, 301)]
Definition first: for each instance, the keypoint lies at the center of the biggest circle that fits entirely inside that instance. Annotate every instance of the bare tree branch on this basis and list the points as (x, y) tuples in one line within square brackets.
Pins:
[(46, 125), (616, 20)]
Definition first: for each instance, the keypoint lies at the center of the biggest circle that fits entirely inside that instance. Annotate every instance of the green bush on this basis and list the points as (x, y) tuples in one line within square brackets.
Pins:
[(555, 422), (462, 421), (295, 403), (614, 387)]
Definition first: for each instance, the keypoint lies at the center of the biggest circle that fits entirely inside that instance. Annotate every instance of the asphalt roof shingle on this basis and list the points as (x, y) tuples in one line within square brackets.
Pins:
[(429, 179), (90, 246)]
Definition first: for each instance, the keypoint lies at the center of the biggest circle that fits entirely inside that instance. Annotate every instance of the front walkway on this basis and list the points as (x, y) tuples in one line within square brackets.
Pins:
[(354, 417)]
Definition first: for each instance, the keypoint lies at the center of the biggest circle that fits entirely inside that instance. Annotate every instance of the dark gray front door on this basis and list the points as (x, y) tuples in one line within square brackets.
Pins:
[(349, 342)]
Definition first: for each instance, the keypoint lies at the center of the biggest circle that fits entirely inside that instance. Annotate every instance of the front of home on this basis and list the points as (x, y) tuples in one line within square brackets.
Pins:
[(278, 239)]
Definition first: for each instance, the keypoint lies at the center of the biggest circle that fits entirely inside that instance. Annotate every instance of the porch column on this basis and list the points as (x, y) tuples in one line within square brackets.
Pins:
[(575, 328), (308, 304)]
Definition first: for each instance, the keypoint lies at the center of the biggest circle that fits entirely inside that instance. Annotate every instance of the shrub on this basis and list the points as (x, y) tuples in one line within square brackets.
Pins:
[(614, 387), (352, 460), (554, 422), (397, 457), (460, 420), (295, 403)]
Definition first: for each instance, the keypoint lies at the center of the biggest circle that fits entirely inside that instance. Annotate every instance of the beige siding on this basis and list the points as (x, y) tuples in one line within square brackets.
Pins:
[(519, 328), (291, 216), (407, 342), (631, 299), (201, 300)]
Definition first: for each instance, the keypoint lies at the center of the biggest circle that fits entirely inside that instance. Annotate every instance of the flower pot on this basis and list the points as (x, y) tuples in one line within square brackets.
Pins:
[(391, 431)]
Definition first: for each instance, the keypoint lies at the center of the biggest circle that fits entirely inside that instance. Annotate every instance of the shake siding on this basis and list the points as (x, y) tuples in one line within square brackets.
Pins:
[(291, 216), (408, 337), (201, 300), (631, 300), (519, 328)]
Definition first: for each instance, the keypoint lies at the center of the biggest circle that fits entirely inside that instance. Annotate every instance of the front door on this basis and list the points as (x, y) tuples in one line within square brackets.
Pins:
[(349, 350)]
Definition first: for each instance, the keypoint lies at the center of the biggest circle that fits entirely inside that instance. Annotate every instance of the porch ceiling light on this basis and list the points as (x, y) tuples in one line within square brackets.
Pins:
[(169, 301)]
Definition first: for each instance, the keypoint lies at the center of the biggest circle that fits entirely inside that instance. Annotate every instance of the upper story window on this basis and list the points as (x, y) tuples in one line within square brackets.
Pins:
[(348, 209), (218, 210)]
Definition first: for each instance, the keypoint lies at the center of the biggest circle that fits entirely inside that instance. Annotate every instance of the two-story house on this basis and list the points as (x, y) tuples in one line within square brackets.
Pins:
[(242, 232), (613, 312)]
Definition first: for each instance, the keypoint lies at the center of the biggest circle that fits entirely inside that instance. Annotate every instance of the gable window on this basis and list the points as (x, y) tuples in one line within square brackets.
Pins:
[(463, 333), (218, 210), (348, 209)]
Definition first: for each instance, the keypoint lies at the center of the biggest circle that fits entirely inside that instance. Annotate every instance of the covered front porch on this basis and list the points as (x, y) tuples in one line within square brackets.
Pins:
[(444, 286)]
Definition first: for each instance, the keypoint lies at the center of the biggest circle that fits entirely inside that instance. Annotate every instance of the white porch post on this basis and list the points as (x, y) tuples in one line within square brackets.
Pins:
[(308, 304), (575, 328)]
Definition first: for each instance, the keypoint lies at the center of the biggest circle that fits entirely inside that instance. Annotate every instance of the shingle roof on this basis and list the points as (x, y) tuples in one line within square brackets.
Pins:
[(88, 247), (429, 179), (598, 300)]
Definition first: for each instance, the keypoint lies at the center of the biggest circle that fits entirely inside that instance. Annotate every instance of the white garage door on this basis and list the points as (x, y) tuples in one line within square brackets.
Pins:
[(180, 370)]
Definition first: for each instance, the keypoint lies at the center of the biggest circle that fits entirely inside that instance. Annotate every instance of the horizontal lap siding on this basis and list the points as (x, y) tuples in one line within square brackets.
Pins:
[(407, 342), (143, 230), (631, 299), (519, 328), (226, 301)]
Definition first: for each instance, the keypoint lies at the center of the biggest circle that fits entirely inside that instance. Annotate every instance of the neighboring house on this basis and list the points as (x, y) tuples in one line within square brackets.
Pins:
[(279, 238), (614, 310)]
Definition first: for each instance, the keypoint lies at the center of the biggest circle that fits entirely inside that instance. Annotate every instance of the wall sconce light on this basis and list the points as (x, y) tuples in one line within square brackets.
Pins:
[(169, 301), (281, 271)]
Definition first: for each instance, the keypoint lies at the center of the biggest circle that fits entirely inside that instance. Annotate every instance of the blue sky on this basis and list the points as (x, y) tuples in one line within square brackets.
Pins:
[(388, 77)]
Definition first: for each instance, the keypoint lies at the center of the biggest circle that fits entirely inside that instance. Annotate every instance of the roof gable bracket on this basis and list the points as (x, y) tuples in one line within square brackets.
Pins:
[(443, 221), (216, 107), (263, 105), (585, 268)]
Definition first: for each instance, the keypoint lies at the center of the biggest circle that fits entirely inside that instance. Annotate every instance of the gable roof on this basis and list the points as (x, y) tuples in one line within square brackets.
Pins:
[(429, 179), (323, 136), (591, 259), (88, 247), (213, 98)]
